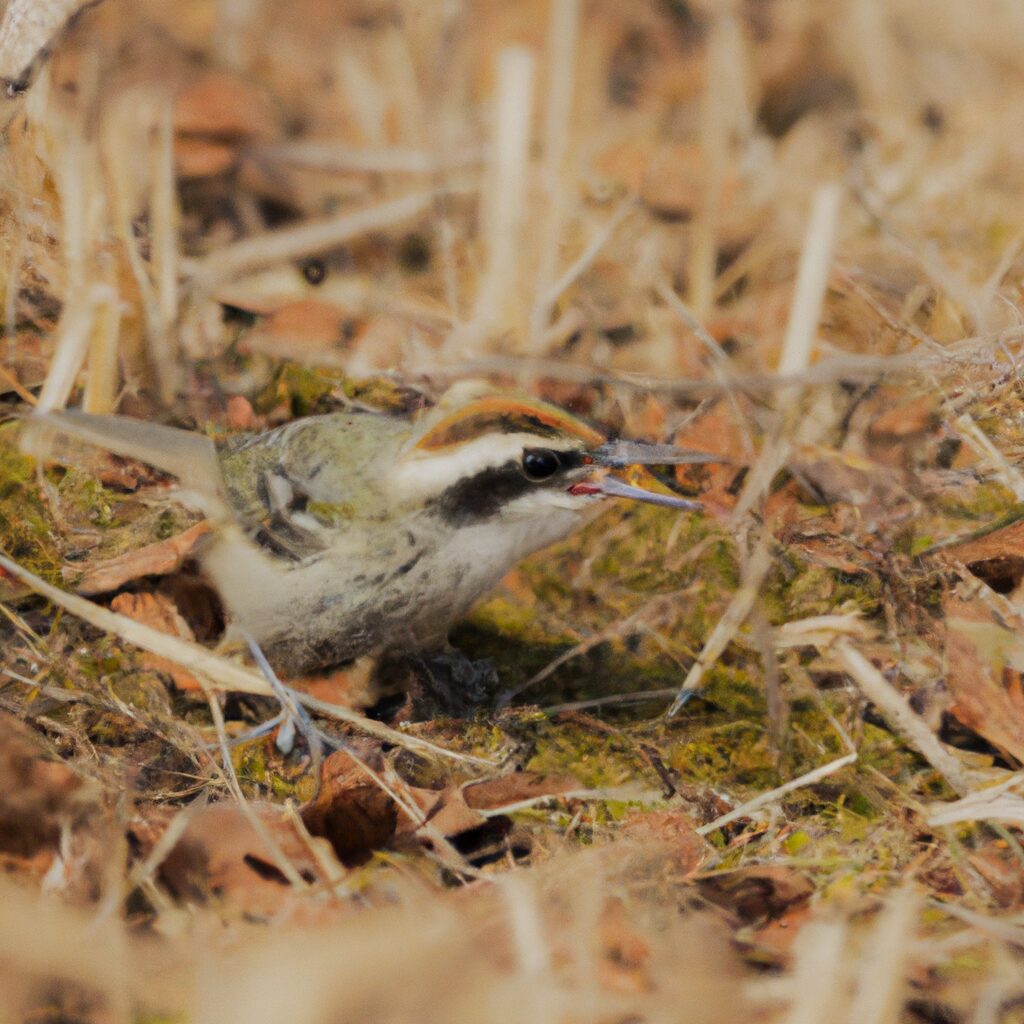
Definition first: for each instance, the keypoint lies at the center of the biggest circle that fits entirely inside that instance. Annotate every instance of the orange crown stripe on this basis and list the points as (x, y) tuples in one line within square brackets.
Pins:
[(506, 415)]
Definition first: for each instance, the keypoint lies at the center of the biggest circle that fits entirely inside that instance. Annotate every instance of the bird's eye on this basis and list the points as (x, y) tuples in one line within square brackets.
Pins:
[(540, 463)]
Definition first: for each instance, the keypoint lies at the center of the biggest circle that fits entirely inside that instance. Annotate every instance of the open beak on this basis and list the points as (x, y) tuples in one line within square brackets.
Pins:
[(612, 487), (621, 454)]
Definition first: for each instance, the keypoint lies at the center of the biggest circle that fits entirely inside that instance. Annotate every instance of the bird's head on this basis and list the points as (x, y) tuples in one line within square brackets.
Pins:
[(511, 458)]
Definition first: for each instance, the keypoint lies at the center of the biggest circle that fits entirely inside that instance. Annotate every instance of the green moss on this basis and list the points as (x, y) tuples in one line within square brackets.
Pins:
[(85, 500), (26, 533), (989, 499), (264, 772), (305, 389), (796, 842)]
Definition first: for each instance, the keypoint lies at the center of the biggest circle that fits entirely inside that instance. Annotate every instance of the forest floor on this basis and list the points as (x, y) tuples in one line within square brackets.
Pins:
[(785, 232)]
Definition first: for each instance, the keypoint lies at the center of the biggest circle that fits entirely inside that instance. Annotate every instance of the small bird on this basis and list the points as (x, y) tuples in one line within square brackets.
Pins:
[(358, 533)]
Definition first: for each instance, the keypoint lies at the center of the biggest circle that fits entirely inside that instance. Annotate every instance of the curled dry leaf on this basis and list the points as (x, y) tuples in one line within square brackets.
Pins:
[(898, 436), (222, 856), (758, 894), (997, 557), (158, 559), (984, 663), (212, 115), (355, 814), (351, 811)]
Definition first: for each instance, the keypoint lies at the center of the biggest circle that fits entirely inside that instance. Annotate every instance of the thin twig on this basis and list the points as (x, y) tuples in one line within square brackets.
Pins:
[(219, 673), (774, 795), (725, 629), (896, 710)]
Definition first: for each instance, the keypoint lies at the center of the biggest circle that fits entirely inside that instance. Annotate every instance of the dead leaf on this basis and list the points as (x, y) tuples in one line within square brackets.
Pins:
[(757, 894), (211, 116), (777, 936), (41, 798), (353, 686), (202, 158), (906, 420), (673, 830), (160, 612), (625, 953), (159, 559), (718, 431), (357, 816), (997, 558), (493, 794), (240, 414), (222, 857), (984, 666), (455, 812), (351, 811), (221, 105)]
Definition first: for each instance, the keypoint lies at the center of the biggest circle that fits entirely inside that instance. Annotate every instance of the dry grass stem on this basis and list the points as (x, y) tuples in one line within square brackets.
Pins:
[(810, 778), (757, 567), (216, 672), (896, 710), (311, 237), (503, 204)]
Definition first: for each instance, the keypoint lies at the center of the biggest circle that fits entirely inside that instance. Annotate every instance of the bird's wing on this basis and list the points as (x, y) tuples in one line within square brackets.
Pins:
[(294, 488)]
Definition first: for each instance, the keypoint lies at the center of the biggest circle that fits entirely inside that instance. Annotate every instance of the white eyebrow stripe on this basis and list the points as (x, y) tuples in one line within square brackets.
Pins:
[(421, 475)]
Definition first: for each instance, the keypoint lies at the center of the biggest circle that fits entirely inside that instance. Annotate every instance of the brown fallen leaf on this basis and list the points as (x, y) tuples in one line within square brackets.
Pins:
[(202, 158), (351, 811), (212, 115), (222, 105), (673, 830), (899, 435), (1001, 871), (240, 414), (222, 857), (160, 612), (758, 894), (353, 686), (492, 794), (997, 558), (158, 559), (984, 666), (625, 954), (41, 798), (357, 816), (719, 432)]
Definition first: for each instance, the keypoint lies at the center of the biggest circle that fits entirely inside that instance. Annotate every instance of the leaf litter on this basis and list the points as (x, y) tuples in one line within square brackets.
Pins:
[(328, 216)]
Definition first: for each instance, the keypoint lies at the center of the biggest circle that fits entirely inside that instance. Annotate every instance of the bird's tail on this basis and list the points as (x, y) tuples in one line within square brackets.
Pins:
[(190, 457)]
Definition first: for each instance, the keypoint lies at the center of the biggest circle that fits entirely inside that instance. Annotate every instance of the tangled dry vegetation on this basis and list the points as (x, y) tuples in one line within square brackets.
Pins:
[(786, 231)]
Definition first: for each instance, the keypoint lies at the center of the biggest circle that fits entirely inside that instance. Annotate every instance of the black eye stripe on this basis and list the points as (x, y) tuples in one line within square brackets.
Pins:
[(483, 494)]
